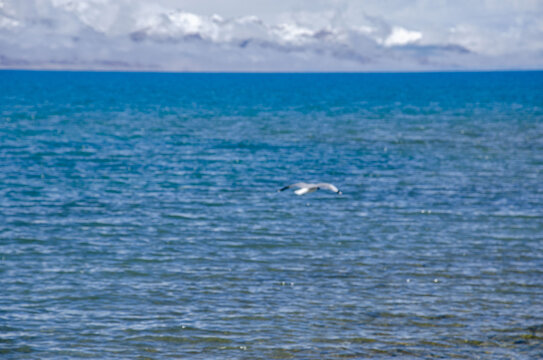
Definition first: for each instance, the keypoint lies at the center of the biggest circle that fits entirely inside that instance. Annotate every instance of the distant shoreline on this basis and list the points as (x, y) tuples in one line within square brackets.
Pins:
[(155, 71)]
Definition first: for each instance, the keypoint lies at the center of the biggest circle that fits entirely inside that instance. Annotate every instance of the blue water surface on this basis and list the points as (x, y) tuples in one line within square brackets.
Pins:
[(140, 218)]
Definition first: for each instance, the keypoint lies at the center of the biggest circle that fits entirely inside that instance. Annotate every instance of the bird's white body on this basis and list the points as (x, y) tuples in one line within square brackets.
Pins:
[(305, 188)]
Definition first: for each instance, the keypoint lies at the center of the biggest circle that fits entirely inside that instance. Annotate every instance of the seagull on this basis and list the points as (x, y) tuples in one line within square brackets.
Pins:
[(305, 188)]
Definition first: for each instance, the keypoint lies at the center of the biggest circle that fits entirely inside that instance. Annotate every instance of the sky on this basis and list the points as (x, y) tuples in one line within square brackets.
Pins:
[(279, 35)]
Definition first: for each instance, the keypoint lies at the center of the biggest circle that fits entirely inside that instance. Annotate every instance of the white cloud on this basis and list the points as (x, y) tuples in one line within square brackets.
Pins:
[(177, 24), (302, 35), (401, 36), (7, 23), (291, 33)]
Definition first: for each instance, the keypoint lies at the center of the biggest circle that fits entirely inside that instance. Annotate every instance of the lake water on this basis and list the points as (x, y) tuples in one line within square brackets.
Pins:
[(140, 218)]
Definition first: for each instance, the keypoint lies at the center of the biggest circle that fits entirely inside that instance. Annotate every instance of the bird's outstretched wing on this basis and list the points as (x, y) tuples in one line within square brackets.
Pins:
[(299, 185), (328, 187)]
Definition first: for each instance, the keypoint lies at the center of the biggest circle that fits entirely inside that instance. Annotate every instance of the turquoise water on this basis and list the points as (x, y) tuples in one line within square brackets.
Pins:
[(139, 216)]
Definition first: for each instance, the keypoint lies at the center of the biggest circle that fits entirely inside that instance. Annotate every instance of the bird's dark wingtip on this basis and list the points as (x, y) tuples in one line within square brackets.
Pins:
[(284, 188)]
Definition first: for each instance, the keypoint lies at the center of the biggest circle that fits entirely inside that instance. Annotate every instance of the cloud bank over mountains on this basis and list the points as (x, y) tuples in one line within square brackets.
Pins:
[(290, 36)]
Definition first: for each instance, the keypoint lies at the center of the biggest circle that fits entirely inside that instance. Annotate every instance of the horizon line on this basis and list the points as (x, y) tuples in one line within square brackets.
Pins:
[(248, 72)]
